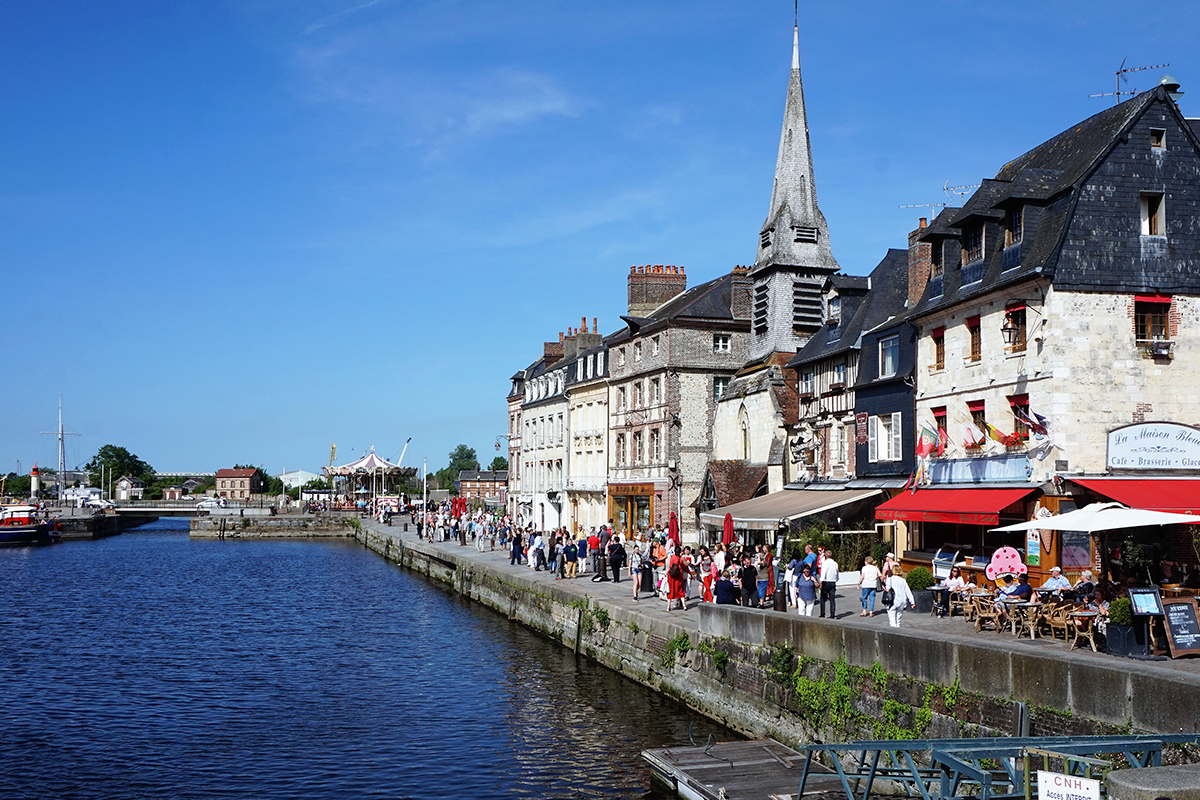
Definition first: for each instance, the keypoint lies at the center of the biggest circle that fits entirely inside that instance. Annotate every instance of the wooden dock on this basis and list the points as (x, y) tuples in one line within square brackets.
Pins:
[(761, 769)]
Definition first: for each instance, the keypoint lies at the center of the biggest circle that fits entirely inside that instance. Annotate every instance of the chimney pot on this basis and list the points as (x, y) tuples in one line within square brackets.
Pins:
[(595, 327), (924, 222)]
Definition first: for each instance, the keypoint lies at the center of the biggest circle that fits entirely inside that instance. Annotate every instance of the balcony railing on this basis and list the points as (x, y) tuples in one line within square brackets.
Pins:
[(587, 483)]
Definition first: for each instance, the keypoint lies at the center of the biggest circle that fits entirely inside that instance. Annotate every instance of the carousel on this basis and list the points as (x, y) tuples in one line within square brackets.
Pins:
[(369, 483)]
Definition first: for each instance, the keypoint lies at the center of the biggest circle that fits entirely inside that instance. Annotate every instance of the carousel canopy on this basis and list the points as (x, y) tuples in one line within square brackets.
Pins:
[(368, 463)]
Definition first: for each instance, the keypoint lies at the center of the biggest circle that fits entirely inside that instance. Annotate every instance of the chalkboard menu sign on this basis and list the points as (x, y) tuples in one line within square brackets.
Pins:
[(1183, 629)]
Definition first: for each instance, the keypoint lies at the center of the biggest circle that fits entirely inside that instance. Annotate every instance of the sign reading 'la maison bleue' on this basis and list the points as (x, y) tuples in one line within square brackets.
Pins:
[(1154, 445)]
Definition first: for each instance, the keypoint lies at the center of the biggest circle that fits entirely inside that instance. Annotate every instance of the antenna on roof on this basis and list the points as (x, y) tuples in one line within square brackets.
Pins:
[(961, 191), (930, 206), (1120, 76)]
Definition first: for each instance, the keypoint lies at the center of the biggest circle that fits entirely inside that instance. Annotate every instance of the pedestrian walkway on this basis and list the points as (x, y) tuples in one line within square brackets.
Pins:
[(621, 594)]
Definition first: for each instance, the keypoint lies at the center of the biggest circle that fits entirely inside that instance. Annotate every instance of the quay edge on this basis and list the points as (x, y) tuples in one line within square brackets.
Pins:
[(837, 682)]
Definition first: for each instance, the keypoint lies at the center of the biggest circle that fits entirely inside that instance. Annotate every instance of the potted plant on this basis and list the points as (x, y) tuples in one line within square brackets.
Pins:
[(919, 580), (1122, 636)]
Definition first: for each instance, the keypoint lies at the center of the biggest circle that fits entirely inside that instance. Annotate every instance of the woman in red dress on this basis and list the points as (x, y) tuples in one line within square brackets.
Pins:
[(676, 580), (769, 566)]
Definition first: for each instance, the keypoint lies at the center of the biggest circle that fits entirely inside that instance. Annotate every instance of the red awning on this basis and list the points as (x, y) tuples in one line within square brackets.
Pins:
[(969, 506), (1178, 496)]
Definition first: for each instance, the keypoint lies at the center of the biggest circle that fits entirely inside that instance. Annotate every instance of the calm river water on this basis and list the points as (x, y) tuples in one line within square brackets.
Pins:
[(149, 665)]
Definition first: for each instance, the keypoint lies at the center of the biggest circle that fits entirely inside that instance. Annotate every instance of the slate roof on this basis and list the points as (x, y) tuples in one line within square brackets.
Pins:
[(889, 292), (706, 301), (769, 379), (1047, 177), (483, 475), (735, 481)]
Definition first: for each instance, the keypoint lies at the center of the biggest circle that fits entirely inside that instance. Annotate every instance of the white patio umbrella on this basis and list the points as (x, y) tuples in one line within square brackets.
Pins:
[(1102, 517)]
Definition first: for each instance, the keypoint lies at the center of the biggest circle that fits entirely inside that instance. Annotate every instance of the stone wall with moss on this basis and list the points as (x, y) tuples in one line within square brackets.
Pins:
[(802, 680)]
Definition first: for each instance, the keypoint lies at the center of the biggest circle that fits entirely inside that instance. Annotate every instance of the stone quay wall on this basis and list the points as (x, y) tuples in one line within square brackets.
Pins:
[(230, 526), (802, 680)]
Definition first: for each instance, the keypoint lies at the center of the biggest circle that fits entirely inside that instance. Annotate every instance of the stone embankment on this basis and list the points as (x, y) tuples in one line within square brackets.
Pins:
[(233, 526), (806, 679)]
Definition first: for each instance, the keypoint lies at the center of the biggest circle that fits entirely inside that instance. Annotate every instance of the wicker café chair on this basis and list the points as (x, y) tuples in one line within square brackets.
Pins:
[(986, 613), (1055, 619), (958, 600)]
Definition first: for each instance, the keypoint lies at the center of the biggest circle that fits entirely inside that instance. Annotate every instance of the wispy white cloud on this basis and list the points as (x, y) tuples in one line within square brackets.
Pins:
[(329, 20)]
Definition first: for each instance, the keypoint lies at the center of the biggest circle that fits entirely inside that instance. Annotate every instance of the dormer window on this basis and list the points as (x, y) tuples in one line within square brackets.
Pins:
[(804, 234), (1158, 138), (936, 258), (764, 238), (972, 244), (835, 310), (1014, 226)]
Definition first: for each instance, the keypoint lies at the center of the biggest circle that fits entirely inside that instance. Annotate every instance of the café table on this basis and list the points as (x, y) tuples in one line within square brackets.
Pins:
[(1009, 603), (941, 601)]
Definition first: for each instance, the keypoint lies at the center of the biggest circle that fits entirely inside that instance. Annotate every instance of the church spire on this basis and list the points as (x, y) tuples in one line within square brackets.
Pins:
[(795, 232)]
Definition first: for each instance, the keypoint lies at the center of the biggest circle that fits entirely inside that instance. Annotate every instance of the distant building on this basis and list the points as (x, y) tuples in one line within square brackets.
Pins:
[(236, 483), (487, 486), (128, 488)]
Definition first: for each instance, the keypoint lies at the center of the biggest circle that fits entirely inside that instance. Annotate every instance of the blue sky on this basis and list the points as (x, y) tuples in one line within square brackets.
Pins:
[(240, 231)]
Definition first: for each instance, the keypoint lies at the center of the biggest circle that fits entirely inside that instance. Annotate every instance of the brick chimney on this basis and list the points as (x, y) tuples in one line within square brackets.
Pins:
[(652, 285), (920, 262), (586, 340), (570, 344), (741, 296), (553, 351)]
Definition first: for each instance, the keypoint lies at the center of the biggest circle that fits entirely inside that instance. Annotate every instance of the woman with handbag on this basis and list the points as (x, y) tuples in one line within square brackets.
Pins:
[(896, 590)]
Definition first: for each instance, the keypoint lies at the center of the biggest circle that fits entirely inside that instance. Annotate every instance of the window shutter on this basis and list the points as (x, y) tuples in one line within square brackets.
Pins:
[(897, 437), (872, 440)]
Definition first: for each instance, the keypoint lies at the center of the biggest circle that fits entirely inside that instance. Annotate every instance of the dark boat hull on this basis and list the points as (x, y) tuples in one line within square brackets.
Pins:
[(25, 534)]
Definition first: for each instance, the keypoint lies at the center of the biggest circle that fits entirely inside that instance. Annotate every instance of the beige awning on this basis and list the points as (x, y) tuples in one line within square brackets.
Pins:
[(766, 513)]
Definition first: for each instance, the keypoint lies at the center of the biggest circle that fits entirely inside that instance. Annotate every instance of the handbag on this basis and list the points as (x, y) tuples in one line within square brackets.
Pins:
[(888, 598)]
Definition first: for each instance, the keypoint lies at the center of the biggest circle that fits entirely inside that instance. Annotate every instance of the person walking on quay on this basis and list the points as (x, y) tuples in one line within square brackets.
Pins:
[(675, 581), (515, 541), (748, 576), (829, 579), (902, 596), (806, 591), (635, 568), (570, 560), (868, 584), (539, 552), (616, 557), (593, 553), (581, 550), (708, 575), (605, 538)]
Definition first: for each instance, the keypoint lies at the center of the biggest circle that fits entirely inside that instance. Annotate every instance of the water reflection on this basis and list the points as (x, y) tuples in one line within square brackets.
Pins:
[(150, 665)]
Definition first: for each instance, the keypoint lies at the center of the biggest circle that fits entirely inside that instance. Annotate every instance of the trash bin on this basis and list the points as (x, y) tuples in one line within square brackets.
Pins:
[(780, 599), (647, 580)]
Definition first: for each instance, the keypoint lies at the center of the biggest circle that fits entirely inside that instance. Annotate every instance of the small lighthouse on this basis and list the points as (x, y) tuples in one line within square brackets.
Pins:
[(34, 482)]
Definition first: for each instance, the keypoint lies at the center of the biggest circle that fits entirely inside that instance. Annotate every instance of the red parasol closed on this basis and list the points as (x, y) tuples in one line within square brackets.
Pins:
[(673, 529), (727, 535)]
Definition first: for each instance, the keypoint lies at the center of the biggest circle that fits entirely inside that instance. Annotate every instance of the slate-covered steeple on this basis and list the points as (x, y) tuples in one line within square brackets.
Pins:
[(794, 257), (795, 233)]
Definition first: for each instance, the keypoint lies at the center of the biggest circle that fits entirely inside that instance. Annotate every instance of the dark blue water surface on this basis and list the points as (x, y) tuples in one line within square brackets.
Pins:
[(149, 665)]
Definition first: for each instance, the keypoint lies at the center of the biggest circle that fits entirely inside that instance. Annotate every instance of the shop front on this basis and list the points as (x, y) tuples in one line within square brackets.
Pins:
[(760, 520), (631, 506)]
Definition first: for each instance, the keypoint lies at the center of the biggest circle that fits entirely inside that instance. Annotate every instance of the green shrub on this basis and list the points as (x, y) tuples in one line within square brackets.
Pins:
[(1120, 612), (919, 578)]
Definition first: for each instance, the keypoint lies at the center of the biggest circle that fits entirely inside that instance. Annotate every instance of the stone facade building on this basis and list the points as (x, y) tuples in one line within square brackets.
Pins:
[(236, 484), (1062, 306), (668, 367)]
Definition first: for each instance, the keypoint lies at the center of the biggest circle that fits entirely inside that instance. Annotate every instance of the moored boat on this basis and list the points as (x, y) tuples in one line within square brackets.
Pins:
[(20, 525)]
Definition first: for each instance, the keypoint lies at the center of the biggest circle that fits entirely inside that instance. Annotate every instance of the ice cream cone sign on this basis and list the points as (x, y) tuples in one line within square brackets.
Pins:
[(1005, 561)]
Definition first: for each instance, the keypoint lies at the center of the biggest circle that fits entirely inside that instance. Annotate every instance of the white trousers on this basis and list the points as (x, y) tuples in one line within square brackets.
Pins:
[(805, 607), (894, 615)]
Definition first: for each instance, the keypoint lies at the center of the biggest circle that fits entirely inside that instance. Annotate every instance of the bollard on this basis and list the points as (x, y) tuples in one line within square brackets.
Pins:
[(406, 527), (780, 599)]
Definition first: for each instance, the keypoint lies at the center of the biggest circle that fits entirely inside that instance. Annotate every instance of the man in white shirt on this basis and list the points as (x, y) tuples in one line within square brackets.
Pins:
[(829, 578), (1056, 582)]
